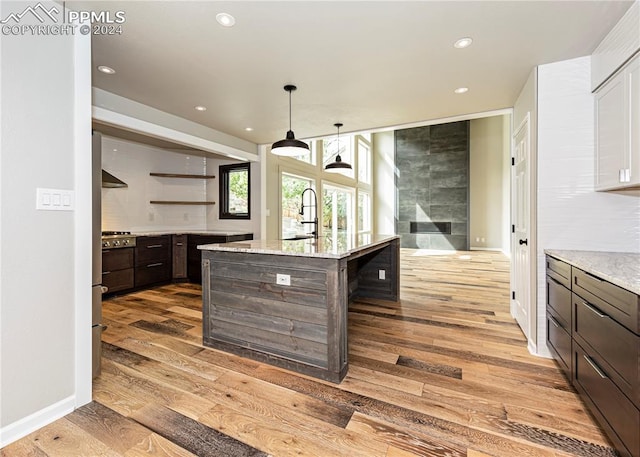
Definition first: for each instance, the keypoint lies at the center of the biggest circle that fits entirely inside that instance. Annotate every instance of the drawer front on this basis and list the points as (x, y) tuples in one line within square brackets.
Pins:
[(622, 416), (617, 349), (618, 303), (153, 273), (559, 270), (152, 249), (117, 259), (559, 298), (118, 280), (559, 341)]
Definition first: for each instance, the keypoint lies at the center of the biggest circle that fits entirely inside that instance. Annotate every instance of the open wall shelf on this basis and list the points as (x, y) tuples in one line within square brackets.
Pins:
[(178, 175), (170, 202)]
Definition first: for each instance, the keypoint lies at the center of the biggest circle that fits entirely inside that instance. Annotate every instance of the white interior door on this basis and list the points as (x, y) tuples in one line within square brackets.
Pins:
[(522, 304)]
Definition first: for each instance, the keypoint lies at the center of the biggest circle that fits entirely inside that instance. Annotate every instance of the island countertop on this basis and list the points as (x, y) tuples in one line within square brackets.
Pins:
[(324, 247), (619, 268)]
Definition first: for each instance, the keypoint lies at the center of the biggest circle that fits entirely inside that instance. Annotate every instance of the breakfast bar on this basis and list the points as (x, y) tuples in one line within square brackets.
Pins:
[(284, 302)]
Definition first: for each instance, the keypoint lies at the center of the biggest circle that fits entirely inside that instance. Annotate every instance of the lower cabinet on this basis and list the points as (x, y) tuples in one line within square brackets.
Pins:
[(179, 257), (117, 269), (152, 260), (598, 348)]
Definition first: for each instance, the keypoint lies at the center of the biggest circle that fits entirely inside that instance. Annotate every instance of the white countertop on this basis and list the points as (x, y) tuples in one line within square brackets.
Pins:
[(189, 232), (619, 268), (326, 247)]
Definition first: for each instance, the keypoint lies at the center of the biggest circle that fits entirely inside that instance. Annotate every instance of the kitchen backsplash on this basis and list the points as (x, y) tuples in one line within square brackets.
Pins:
[(129, 208)]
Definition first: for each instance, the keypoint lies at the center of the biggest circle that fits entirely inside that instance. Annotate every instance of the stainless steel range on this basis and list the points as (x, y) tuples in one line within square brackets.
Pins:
[(114, 240)]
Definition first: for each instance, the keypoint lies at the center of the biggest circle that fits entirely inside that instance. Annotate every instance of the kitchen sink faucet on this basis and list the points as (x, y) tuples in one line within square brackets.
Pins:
[(315, 205)]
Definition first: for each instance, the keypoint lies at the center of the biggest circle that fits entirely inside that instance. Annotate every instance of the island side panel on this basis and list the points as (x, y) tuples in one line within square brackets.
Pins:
[(245, 312), (338, 302), (368, 269)]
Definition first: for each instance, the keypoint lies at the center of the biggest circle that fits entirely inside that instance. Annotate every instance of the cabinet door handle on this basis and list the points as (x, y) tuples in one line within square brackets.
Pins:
[(178, 244), (594, 310), (152, 246), (154, 265), (595, 367), (553, 321), (106, 272)]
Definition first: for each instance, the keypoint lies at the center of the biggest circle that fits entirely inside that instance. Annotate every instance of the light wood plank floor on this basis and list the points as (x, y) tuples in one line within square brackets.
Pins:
[(444, 372)]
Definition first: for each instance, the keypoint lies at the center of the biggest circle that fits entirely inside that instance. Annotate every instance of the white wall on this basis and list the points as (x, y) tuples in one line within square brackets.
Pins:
[(384, 192), (39, 252), (130, 208), (506, 183), (571, 215), (486, 183)]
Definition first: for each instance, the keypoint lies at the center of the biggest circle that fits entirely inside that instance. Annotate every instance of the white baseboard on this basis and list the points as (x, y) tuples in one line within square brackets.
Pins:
[(476, 248), (35, 421)]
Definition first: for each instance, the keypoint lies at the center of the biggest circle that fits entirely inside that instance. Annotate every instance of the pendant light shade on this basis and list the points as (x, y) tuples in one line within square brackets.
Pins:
[(290, 147), (338, 165)]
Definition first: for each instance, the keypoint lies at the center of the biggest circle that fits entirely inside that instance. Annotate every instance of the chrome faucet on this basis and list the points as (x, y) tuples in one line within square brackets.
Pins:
[(315, 205)]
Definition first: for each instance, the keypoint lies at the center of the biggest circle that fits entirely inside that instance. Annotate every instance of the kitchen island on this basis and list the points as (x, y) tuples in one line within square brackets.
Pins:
[(284, 302)]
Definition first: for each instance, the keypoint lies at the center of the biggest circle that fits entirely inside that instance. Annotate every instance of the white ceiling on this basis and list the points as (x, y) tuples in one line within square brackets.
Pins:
[(367, 64)]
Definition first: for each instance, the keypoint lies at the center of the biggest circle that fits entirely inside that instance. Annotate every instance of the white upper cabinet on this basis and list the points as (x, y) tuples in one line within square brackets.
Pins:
[(617, 129)]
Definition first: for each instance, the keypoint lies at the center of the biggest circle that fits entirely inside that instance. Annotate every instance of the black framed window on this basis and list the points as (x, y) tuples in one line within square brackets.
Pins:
[(235, 191)]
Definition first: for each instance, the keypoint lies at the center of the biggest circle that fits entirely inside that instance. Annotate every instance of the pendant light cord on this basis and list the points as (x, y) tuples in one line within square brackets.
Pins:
[(289, 110)]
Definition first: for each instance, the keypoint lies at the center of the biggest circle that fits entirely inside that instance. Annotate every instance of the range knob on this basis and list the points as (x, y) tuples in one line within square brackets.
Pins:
[(116, 242), (105, 244), (125, 242)]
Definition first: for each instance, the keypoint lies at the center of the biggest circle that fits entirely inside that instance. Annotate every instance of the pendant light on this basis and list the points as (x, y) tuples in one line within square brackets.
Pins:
[(338, 165), (290, 147)]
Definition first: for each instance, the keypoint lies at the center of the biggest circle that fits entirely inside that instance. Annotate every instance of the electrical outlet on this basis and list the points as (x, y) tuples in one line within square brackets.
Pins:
[(283, 280), (477, 239), (382, 274)]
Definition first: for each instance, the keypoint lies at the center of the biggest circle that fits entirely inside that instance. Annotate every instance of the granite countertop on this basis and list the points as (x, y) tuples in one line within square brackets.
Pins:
[(190, 232), (619, 268), (326, 247)]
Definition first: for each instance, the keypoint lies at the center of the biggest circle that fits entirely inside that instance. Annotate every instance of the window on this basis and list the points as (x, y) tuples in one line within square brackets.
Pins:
[(292, 187), (235, 191), (364, 162), (364, 212), (337, 210)]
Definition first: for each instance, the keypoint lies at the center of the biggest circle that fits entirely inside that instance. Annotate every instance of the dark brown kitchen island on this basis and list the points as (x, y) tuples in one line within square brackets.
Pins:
[(284, 302)]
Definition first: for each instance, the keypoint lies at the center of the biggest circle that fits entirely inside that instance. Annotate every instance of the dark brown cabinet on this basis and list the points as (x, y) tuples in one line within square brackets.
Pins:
[(600, 349), (117, 269), (194, 255), (152, 260), (559, 312), (179, 258)]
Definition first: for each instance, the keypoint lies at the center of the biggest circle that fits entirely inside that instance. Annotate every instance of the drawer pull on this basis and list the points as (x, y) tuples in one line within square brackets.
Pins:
[(178, 244), (594, 366), (154, 265), (152, 246), (105, 251), (553, 321), (593, 277), (593, 310), (106, 272)]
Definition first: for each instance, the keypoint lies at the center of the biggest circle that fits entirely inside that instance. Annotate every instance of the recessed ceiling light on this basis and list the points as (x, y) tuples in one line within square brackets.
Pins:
[(200, 108), (225, 20), (248, 129), (461, 90), (106, 70), (463, 43)]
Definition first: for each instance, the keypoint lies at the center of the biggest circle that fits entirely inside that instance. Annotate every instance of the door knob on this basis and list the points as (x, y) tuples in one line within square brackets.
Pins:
[(523, 242)]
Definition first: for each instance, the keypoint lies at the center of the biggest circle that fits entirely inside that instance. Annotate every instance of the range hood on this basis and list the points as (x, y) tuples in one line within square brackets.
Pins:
[(108, 180)]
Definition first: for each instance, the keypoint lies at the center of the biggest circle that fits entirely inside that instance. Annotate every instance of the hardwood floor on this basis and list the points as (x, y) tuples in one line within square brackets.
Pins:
[(443, 372)]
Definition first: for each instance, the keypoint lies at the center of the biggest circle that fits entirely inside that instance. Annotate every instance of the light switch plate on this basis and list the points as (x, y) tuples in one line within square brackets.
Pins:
[(55, 199), (283, 280)]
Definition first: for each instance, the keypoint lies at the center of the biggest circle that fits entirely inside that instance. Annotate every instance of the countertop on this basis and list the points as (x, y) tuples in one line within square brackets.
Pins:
[(190, 232), (619, 268), (326, 247)]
